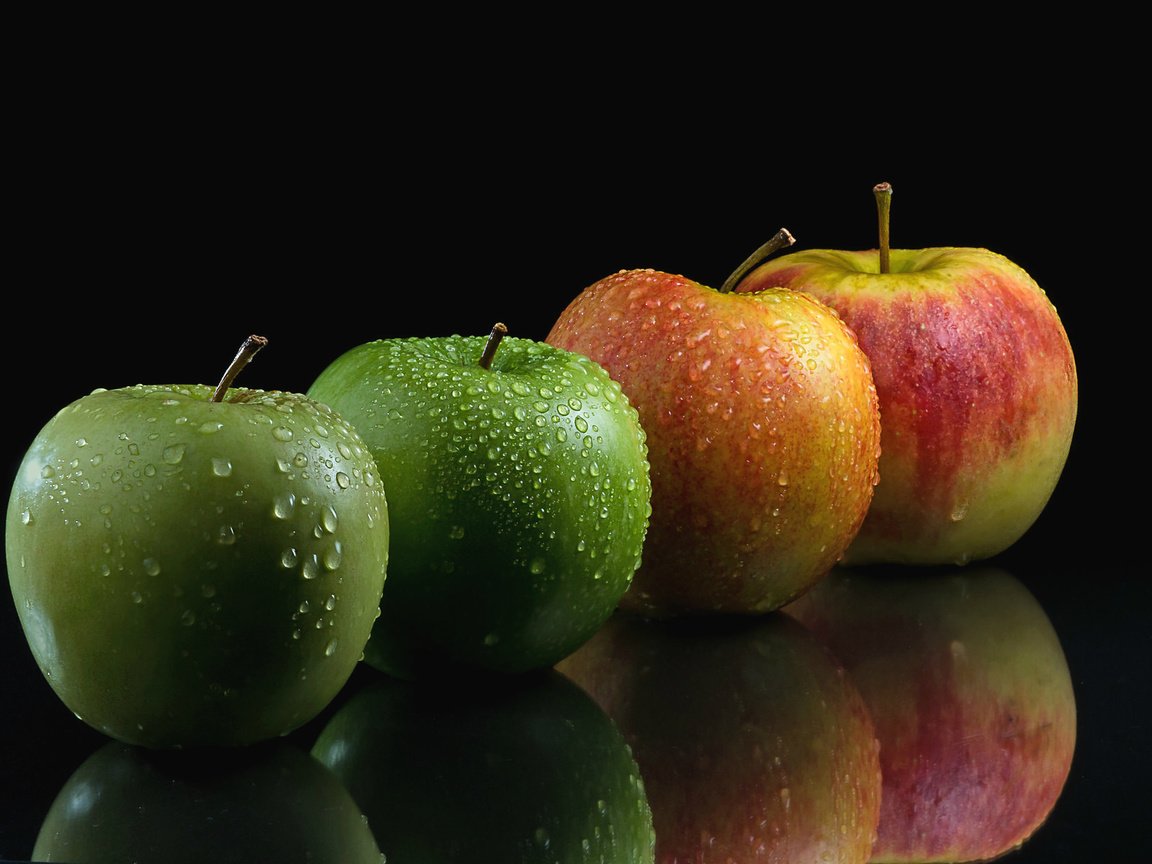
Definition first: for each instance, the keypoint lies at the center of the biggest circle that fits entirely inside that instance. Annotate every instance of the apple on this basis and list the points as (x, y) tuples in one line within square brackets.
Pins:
[(972, 698), (518, 493), (265, 803), (527, 769), (752, 742), (195, 565), (977, 385), (763, 433)]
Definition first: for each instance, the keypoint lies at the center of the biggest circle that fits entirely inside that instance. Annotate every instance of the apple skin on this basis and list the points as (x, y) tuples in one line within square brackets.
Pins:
[(763, 434), (519, 769), (753, 743), (189, 572), (978, 394), (264, 803), (518, 496), (972, 698)]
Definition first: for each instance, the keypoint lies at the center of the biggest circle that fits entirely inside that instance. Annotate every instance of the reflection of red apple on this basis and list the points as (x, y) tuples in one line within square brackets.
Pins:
[(752, 742), (972, 700)]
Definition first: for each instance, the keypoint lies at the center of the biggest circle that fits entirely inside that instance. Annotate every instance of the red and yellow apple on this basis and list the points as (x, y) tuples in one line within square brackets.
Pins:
[(752, 742), (977, 385), (763, 434), (972, 698)]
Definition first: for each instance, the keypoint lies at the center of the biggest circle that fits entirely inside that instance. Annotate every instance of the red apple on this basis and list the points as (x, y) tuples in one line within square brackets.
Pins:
[(752, 742), (763, 432), (972, 699), (977, 385)]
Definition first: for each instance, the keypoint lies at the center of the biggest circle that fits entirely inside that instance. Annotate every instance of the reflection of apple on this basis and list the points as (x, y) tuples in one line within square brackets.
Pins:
[(518, 495), (265, 803), (525, 770), (752, 742), (977, 386), (763, 434), (195, 565), (972, 699)]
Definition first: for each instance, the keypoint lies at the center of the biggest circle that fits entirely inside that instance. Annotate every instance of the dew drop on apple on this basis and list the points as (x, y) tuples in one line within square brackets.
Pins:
[(187, 618), (282, 433), (333, 555), (221, 467), (173, 454), (283, 506), (310, 569), (151, 566), (330, 648), (226, 535), (329, 520), (137, 598), (342, 480)]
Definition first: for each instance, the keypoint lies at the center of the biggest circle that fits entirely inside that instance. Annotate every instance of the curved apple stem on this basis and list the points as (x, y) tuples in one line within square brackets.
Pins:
[(883, 193), (247, 351), (499, 331), (780, 240)]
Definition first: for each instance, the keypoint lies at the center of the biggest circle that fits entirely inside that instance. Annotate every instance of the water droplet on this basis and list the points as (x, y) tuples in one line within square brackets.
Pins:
[(282, 433), (47, 472), (330, 648), (782, 478), (329, 519), (226, 535), (207, 590), (333, 556), (151, 566), (959, 511), (456, 532), (342, 480), (310, 569), (542, 837), (81, 442), (304, 607), (27, 518), (173, 453), (491, 639), (537, 566), (330, 603), (188, 618), (137, 597), (221, 467), (211, 427), (289, 558), (296, 634), (283, 506)]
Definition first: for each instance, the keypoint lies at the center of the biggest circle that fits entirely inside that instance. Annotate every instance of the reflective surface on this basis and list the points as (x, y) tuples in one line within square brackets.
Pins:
[(647, 723)]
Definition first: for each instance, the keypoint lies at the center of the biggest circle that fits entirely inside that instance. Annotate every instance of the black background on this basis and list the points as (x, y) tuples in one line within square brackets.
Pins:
[(158, 218)]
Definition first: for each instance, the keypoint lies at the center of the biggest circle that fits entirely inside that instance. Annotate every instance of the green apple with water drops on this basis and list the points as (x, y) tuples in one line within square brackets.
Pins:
[(518, 494), (195, 565)]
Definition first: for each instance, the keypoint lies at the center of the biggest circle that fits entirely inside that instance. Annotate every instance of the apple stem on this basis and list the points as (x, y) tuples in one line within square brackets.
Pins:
[(499, 331), (247, 351), (780, 240), (883, 193)]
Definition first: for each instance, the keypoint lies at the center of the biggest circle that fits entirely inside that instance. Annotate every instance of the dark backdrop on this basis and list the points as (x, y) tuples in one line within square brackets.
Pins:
[(150, 231)]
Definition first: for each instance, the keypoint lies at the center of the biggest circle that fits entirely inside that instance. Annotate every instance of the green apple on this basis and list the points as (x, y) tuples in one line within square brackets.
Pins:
[(977, 385), (972, 698), (763, 433), (518, 494), (527, 770), (752, 742), (197, 566), (264, 803)]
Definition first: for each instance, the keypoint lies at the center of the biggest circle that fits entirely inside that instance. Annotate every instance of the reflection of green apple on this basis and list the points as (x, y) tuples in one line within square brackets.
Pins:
[(518, 495), (527, 771), (266, 803), (972, 699), (752, 742), (191, 571)]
